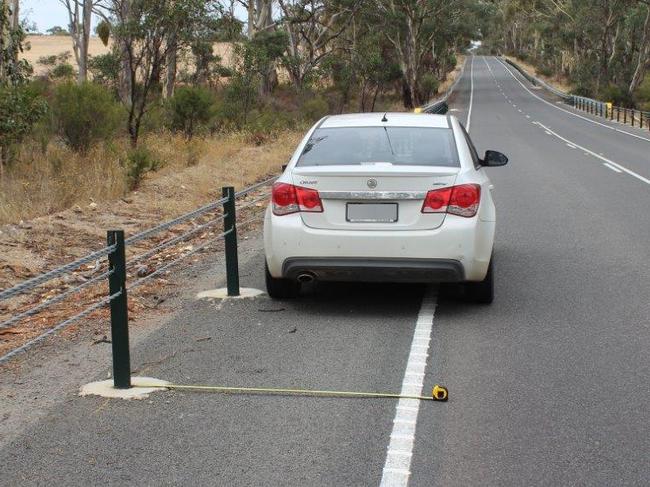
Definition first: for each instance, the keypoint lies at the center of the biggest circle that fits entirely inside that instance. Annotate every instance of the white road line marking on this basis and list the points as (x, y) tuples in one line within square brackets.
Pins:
[(400, 452), (527, 116), (615, 169), (471, 95), (401, 439), (571, 146), (397, 470), (407, 408), (604, 159), (568, 111), (404, 421)]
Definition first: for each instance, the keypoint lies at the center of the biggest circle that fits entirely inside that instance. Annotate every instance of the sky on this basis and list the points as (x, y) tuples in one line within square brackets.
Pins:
[(48, 13)]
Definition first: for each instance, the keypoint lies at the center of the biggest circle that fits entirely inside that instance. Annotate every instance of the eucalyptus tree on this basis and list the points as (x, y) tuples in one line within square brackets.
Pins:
[(313, 28), (80, 16), (146, 31)]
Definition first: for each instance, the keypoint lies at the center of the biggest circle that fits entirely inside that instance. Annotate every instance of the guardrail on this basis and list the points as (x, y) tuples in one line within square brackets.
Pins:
[(636, 118), (539, 82), (112, 265)]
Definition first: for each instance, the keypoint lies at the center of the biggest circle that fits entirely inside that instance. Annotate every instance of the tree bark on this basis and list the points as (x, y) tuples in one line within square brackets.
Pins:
[(644, 55), (84, 38), (171, 58), (125, 78), (15, 15)]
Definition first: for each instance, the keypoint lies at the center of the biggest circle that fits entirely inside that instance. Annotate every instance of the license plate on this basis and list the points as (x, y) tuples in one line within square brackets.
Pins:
[(371, 212)]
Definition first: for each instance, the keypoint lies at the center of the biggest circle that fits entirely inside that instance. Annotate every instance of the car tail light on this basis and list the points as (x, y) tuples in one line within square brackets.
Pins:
[(461, 200), (288, 198)]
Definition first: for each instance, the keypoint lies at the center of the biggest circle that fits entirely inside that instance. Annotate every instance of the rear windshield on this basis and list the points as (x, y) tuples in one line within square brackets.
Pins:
[(419, 146)]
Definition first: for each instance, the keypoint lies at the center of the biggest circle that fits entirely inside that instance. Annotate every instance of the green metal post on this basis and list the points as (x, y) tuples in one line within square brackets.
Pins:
[(230, 228), (119, 311)]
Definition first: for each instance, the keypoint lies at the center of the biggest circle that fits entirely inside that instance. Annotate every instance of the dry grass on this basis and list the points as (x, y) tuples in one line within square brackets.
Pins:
[(43, 46), (45, 183)]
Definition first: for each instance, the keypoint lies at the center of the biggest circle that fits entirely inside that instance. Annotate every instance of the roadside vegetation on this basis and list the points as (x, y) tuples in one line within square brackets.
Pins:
[(162, 99), (597, 48)]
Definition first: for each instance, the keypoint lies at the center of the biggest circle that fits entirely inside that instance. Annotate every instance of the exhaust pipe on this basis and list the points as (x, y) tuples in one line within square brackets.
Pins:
[(306, 277)]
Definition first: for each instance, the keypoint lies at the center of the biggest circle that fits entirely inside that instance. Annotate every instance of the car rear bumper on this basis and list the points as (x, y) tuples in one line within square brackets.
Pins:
[(374, 270), (291, 246)]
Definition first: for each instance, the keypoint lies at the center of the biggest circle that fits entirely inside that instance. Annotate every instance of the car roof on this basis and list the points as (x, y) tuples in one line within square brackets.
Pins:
[(395, 119)]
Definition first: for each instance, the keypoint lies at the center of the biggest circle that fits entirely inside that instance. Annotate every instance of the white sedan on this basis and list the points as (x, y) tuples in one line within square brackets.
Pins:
[(372, 197)]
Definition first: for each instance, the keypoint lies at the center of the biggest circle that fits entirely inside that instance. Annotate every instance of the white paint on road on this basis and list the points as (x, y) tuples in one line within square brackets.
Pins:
[(471, 95), (604, 159), (609, 166), (567, 111), (397, 466)]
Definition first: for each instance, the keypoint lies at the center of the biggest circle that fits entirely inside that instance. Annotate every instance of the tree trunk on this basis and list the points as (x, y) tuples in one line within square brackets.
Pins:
[(125, 78), (171, 64), (262, 20), (3, 40), (15, 15), (84, 40), (644, 54), (407, 95)]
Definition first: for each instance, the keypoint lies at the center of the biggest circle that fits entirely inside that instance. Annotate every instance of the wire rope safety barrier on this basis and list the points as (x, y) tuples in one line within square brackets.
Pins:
[(111, 265)]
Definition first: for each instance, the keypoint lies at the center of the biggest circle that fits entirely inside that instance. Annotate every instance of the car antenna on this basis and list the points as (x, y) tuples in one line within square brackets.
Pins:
[(384, 119)]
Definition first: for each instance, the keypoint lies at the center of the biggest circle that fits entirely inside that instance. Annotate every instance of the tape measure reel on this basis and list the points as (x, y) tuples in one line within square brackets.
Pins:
[(439, 393)]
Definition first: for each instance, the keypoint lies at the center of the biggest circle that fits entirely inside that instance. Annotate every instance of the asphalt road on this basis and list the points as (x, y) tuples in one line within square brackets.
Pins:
[(548, 386)]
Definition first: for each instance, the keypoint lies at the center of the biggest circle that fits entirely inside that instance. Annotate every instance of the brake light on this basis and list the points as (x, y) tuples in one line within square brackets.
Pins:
[(461, 200), (288, 199)]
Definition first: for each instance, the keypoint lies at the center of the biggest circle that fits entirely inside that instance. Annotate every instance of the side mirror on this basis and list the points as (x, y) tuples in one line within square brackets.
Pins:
[(493, 158)]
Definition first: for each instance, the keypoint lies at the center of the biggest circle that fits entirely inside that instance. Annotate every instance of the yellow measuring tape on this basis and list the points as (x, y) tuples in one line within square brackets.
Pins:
[(438, 393)]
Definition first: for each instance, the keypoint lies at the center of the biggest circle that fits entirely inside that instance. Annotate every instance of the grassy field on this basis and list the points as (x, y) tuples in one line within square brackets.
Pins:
[(41, 46)]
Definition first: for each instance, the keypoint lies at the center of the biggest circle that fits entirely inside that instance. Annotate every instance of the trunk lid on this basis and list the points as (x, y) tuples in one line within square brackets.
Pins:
[(377, 196)]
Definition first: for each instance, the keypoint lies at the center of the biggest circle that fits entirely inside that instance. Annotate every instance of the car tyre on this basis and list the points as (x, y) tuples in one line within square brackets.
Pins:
[(482, 292), (278, 288)]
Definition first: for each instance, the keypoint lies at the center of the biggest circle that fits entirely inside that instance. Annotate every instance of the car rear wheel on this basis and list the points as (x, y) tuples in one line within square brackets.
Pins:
[(482, 292), (278, 288)]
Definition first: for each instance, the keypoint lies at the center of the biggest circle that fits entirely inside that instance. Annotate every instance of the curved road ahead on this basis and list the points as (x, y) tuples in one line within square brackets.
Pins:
[(548, 386)]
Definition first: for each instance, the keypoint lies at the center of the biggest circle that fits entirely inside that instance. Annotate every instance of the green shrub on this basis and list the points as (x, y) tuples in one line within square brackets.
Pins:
[(139, 161), (239, 98), (84, 114), (62, 71), (617, 95), (20, 109), (314, 108), (428, 86), (155, 118), (105, 68), (190, 110)]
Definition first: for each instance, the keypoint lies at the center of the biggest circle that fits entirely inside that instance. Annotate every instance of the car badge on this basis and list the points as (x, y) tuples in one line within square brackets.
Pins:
[(372, 183)]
